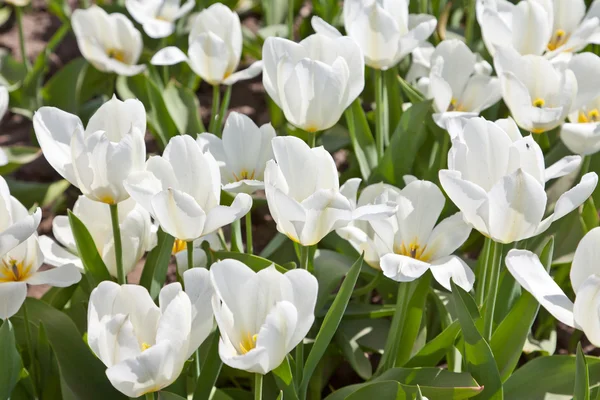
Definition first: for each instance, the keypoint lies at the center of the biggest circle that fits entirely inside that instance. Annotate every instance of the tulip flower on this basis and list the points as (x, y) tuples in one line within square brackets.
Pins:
[(538, 27), (527, 269), (454, 84), (313, 81), (143, 346), (538, 93), (138, 235), (385, 32), (581, 134), (158, 17), (109, 42), (261, 315), (242, 153), (182, 191), (98, 159), (215, 48), (497, 178), (304, 196)]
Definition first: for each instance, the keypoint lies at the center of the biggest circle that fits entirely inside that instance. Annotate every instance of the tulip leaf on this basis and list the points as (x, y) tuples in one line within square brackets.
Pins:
[(330, 268), (82, 374), (510, 336), (10, 364), (157, 263), (211, 367), (330, 324), (589, 215), (256, 263), (477, 353), (582, 378), (18, 156), (184, 108), (169, 396), (414, 96), (42, 194), (361, 138), (354, 354), (93, 264), (285, 380), (434, 350), (58, 297), (394, 96)]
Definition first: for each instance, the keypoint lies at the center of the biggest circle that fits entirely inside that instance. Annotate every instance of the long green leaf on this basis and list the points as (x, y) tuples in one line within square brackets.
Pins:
[(169, 396), (330, 324), (285, 380), (431, 354), (361, 138), (10, 360), (413, 315), (209, 372), (155, 269), (184, 108), (59, 297), (582, 378)]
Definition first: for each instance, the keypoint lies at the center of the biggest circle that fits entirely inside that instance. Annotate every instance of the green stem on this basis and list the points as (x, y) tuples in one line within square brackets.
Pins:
[(214, 113), (304, 254), (470, 27), (290, 20), (390, 352), (223, 110), (304, 262), (492, 290), (149, 396), (190, 254), (423, 7), (19, 15), (114, 217), (482, 272), (236, 237), (311, 139), (31, 370), (585, 165), (380, 113), (249, 246), (258, 381)]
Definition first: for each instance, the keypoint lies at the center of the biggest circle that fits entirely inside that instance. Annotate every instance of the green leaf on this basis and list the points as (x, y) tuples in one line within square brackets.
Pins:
[(394, 96), (330, 324), (361, 138), (169, 396), (434, 350), (256, 263), (31, 193), (18, 156), (49, 380), (209, 372), (285, 380), (80, 370), (477, 353), (354, 354), (184, 108), (582, 378), (58, 297), (329, 269), (93, 264), (11, 365), (589, 215), (414, 96), (156, 265), (510, 336), (385, 390)]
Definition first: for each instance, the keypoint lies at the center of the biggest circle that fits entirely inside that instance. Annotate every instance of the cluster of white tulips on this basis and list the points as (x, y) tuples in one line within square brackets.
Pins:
[(507, 188)]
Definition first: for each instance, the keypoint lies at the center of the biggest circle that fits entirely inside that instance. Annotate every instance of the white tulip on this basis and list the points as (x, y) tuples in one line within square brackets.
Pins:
[(98, 159), (18, 3), (581, 134), (143, 346), (109, 42), (549, 27), (182, 191), (303, 193), (538, 93), (3, 101), (199, 258), (532, 276), (261, 316), (158, 17), (138, 235), (242, 153), (215, 48), (455, 84), (384, 30), (497, 178), (313, 81)]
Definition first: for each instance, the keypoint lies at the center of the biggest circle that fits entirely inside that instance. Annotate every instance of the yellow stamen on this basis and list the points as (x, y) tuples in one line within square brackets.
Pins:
[(413, 250), (454, 106), (244, 174), (248, 342), (558, 39), (145, 346), (178, 245), (116, 54), (311, 129), (13, 271), (539, 102), (591, 116)]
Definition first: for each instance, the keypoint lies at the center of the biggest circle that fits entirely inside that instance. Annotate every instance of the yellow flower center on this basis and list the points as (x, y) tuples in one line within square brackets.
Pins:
[(591, 116), (145, 346), (248, 342), (413, 250), (108, 199), (244, 174), (116, 54), (13, 271), (539, 103), (454, 106), (558, 39), (178, 245)]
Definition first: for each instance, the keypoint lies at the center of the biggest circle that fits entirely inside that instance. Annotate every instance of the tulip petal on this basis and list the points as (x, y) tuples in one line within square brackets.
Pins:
[(574, 197), (586, 259), (272, 51), (63, 276), (207, 55), (278, 334), (420, 26), (56, 255), (200, 291), (12, 296), (583, 139), (179, 214), (175, 322), (323, 28), (168, 56), (350, 190), (304, 289), (447, 236), (585, 67), (158, 29), (458, 64), (223, 215), (585, 309), (530, 29), (251, 72), (19, 231), (402, 268), (420, 204), (453, 268), (562, 167)]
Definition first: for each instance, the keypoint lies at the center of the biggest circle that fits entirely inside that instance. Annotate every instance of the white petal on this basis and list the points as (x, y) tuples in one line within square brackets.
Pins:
[(277, 334), (63, 276), (323, 28), (586, 259), (453, 268), (574, 197), (176, 320), (19, 231), (223, 215), (56, 255), (168, 56), (581, 139), (447, 236), (158, 29), (401, 268), (251, 72), (199, 288), (179, 214), (304, 288), (12, 296), (562, 167), (585, 310)]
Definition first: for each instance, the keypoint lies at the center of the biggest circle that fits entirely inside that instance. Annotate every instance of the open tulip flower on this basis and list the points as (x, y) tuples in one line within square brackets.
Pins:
[(303, 193), (549, 27), (182, 189), (313, 81), (109, 42), (145, 346), (497, 178), (215, 48), (242, 153), (585, 280), (261, 315), (158, 17), (138, 235), (98, 159), (538, 93)]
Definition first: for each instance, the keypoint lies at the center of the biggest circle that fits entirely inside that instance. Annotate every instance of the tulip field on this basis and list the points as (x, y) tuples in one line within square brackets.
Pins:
[(299, 200)]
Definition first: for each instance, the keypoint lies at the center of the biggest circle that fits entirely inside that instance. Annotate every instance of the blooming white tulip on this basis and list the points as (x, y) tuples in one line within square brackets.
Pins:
[(455, 85), (384, 30), (532, 276), (109, 42), (496, 178), (215, 48), (304, 196), (581, 134), (98, 159), (143, 346), (538, 93), (242, 153), (261, 316), (158, 17), (536, 27), (138, 235), (313, 81), (182, 191)]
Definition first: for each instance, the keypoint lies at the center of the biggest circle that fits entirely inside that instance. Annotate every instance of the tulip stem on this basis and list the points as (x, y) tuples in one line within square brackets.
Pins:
[(258, 381), (19, 16), (190, 254), (114, 217), (380, 113), (31, 369), (482, 278), (223, 110), (492, 289), (585, 165), (249, 247), (149, 396), (470, 26), (290, 20), (214, 113)]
